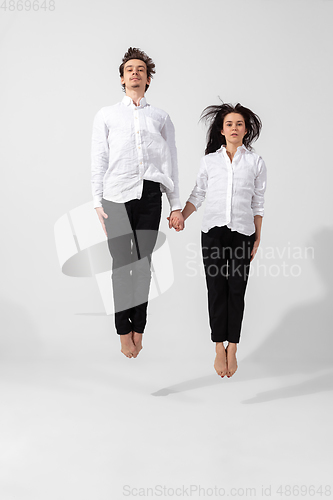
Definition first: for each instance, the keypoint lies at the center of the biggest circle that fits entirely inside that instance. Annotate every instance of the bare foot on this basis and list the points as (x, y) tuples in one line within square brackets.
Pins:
[(137, 340), (127, 345), (220, 363), (231, 359)]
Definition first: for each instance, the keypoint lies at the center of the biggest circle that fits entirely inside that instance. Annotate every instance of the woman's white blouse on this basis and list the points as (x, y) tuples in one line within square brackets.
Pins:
[(234, 191)]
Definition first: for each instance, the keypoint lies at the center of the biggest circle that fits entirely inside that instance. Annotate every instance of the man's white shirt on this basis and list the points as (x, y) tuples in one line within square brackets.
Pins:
[(129, 144), (234, 191)]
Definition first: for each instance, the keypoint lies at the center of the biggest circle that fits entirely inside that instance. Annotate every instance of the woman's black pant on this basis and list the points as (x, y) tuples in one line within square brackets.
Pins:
[(226, 257), (132, 230)]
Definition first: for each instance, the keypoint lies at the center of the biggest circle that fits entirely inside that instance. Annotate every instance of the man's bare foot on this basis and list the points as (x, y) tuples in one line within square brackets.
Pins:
[(137, 340), (127, 345), (220, 363), (231, 359)]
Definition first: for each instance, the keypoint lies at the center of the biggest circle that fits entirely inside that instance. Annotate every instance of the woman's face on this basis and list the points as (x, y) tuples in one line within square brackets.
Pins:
[(234, 129)]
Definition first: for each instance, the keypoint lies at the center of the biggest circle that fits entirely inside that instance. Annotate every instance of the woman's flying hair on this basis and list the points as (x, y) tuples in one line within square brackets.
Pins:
[(215, 115), (134, 53)]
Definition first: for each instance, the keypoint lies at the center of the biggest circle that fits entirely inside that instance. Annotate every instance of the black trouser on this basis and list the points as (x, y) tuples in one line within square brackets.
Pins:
[(226, 256), (132, 230)]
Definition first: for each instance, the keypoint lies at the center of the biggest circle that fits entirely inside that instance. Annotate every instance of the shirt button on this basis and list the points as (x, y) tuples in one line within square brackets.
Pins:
[(139, 147), (137, 131)]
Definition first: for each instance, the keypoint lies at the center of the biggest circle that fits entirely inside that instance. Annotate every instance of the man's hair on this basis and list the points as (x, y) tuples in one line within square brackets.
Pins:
[(215, 116), (134, 53)]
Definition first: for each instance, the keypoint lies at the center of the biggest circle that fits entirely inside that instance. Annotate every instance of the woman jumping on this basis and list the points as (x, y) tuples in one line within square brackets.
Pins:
[(232, 178)]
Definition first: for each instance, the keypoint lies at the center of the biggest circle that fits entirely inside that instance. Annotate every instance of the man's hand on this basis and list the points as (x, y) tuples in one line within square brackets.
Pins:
[(176, 220), (255, 249), (101, 215)]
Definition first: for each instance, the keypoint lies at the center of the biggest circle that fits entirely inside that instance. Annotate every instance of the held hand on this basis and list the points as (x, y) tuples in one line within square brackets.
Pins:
[(176, 220), (174, 223), (177, 225), (102, 215), (254, 249)]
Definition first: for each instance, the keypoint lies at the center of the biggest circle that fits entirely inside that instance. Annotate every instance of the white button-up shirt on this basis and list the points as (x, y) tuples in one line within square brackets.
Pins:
[(131, 143), (234, 190)]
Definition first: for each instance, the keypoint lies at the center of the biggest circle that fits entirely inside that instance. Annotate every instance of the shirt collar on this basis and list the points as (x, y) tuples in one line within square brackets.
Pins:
[(128, 102), (241, 149)]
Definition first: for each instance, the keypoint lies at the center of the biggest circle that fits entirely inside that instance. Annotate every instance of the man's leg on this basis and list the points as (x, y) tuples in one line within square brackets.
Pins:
[(119, 233), (146, 216)]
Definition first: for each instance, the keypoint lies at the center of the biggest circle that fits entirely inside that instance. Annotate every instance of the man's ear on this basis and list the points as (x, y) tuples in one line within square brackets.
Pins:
[(122, 81), (148, 80)]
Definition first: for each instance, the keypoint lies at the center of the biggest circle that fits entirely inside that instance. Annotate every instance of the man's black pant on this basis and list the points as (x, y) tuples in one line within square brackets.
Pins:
[(132, 230), (226, 256)]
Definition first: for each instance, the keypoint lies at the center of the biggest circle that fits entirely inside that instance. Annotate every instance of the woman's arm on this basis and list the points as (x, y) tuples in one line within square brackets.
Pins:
[(257, 204), (257, 224), (188, 210)]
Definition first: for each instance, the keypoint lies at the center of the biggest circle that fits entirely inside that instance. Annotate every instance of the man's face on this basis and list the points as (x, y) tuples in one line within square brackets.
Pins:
[(135, 75)]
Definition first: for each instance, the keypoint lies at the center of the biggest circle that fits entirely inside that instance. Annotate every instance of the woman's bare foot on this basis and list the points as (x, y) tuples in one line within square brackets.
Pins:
[(231, 359), (137, 340), (127, 345), (220, 363)]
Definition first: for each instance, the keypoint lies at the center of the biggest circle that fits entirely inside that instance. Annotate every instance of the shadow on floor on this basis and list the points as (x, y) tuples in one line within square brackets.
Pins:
[(301, 344), (321, 383)]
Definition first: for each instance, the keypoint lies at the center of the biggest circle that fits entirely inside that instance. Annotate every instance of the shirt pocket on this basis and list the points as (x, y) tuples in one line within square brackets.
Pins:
[(244, 179)]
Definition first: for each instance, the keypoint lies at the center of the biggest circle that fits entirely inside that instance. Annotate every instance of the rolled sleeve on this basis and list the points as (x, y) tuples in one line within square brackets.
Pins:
[(199, 191), (99, 157), (168, 133), (260, 182)]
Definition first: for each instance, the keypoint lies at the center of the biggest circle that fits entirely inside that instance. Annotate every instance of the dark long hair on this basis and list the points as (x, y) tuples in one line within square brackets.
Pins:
[(215, 116)]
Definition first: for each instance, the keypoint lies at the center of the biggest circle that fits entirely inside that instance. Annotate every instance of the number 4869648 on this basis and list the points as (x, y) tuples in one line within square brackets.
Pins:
[(20, 5)]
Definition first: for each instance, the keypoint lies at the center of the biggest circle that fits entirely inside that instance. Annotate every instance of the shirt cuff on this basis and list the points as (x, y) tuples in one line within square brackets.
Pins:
[(258, 211), (97, 202), (194, 202), (175, 204)]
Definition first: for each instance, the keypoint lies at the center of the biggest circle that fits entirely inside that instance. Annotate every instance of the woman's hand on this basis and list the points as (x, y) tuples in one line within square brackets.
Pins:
[(176, 220)]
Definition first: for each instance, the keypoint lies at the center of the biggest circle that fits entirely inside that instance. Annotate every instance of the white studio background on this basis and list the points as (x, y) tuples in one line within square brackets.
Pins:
[(59, 67)]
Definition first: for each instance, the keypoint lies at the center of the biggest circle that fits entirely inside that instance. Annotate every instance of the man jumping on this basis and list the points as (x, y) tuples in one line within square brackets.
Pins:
[(134, 160)]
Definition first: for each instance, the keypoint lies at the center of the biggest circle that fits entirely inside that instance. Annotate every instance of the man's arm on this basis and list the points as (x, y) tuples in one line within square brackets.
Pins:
[(196, 198), (168, 133), (99, 163)]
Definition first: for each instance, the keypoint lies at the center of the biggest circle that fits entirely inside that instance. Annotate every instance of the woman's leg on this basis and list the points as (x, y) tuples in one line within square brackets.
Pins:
[(241, 248), (215, 253)]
